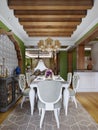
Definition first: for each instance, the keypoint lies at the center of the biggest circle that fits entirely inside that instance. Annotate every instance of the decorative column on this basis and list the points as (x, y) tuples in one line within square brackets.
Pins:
[(94, 55), (80, 57)]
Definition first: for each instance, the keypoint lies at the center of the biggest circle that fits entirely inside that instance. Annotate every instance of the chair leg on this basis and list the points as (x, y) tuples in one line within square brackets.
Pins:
[(32, 98), (71, 98), (66, 101), (58, 110), (40, 111), (56, 117), (74, 99), (36, 97), (22, 101), (42, 117), (66, 109)]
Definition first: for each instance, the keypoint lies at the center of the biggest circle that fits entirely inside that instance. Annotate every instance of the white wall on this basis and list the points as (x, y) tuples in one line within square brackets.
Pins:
[(8, 52)]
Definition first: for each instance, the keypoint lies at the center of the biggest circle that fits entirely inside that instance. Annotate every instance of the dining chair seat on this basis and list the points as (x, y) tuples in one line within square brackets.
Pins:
[(56, 105), (71, 91), (26, 92)]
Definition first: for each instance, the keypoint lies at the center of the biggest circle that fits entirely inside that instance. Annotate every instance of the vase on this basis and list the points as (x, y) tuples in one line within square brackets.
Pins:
[(90, 67)]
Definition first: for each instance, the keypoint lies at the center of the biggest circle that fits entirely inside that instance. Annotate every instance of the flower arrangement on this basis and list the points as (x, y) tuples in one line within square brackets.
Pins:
[(48, 73)]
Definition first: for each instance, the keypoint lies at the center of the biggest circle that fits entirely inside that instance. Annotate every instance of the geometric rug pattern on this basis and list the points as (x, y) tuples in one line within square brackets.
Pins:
[(21, 119)]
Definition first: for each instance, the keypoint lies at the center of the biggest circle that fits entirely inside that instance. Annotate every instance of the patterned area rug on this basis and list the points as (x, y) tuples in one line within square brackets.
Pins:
[(77, 119)]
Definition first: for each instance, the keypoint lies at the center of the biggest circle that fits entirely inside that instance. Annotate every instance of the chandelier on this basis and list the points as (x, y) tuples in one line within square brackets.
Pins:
[(49, 45)]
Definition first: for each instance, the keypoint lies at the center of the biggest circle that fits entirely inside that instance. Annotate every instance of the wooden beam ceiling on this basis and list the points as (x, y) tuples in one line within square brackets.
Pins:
[(50, 18), (50, 5)]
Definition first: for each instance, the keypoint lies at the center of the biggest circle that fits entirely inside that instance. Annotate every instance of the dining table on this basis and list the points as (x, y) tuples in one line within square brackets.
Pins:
[(58, 78)]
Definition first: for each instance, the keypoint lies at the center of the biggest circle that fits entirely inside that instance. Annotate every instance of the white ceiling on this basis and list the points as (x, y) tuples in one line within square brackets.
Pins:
[(8, 18)]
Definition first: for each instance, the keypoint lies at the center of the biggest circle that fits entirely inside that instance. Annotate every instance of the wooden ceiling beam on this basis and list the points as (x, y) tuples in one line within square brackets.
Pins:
[(50, 16), (50, 30), (49, 23), (50, 20), (49, 34), (63, 31), (49, 27), (50, 12), (50, 5)]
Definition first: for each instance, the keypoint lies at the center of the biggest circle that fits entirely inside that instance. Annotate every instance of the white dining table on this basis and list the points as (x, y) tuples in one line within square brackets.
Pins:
[(34, 83)]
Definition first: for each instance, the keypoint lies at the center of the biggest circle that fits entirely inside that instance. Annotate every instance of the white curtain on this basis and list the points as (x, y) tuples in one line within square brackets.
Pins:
[(41, 66)]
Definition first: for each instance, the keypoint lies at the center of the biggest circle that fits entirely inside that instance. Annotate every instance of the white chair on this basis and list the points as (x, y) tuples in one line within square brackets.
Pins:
[(66, 92), (66, 85), (28, 78), (73, 90), (49, 95), (69, 77), (22, 85)]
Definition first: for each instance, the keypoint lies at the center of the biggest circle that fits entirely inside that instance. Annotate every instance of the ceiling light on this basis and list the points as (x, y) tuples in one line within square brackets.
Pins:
[(87, 48), (49, 45)]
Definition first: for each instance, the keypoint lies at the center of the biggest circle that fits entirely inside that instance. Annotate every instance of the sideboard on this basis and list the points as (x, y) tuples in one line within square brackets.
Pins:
[(9, 92), (88, 81)]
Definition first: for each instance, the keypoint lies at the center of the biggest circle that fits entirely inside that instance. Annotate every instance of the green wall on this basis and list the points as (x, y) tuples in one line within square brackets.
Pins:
[(20, 42), (27, 62), (63, 64)]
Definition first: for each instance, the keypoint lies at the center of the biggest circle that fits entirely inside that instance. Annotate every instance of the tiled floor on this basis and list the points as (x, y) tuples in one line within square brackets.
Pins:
[(77, 119)]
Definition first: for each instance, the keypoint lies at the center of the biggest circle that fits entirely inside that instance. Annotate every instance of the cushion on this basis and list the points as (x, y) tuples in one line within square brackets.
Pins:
[(26, 92), (71, 92), (56, 105)]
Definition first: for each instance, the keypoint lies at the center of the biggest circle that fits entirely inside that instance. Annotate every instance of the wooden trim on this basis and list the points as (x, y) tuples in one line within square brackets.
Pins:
[(46, 4), (80, 58)]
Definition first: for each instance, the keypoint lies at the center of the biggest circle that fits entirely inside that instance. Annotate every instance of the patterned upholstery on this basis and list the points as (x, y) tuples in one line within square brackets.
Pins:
[(28, 78), (22, 85)]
